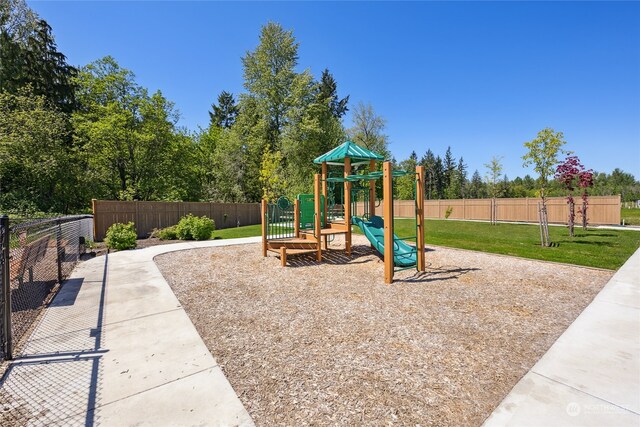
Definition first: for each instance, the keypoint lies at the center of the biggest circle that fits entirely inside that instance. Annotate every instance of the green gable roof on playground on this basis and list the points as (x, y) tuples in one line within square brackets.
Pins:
[(357, 154)]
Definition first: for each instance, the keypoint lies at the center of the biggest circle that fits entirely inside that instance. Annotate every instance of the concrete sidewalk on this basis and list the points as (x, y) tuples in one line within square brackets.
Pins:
[(115, 348), (591, 374)]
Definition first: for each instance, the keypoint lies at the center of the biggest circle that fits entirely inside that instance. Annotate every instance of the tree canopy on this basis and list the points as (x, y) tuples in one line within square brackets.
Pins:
[(69, 134)]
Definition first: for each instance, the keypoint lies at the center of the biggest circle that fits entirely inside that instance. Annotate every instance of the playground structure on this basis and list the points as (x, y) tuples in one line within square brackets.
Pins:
[(294, 228)]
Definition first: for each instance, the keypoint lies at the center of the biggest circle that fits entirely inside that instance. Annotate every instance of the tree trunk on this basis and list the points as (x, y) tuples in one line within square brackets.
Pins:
[(572, 215), (585, 206), (544, 225), (545, 222)]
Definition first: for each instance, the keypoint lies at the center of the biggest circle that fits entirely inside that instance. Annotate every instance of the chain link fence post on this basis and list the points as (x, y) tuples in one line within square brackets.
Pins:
[(59, 250), (7, 341)]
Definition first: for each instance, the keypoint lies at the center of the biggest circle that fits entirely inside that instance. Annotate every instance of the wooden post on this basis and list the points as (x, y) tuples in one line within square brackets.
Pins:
[(317, 227), (372, 190), (283, 256), (347, 205), (263, 210), (325, 192), (95, 220), (296, 218), (387, 191), (137, 220), (420, 217)]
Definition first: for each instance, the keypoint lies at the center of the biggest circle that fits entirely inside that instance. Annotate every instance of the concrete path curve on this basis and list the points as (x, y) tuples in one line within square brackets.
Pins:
[(115, 348), (591, 375)]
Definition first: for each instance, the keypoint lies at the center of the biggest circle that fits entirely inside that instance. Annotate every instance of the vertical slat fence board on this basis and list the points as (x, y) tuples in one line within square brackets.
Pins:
[(150, 215), (602, 210)]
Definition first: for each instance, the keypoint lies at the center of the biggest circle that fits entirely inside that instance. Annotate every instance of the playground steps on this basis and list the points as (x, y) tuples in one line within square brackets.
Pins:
[(292, 246), (323, 232), (292, 243)]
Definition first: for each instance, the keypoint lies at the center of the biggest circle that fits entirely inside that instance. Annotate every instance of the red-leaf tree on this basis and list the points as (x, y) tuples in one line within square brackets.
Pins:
[(585, 181), (568, 173)]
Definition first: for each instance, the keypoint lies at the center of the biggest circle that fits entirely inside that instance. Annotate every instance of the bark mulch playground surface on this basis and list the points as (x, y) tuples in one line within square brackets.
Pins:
[(331, 344)]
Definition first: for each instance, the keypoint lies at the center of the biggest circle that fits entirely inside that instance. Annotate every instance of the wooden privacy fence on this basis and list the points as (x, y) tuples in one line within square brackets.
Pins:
[(602, 210), (150, 215)]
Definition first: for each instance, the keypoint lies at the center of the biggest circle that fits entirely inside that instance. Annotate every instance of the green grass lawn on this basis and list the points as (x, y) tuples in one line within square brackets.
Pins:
[(234, 233), (631, 216), (594, 248)]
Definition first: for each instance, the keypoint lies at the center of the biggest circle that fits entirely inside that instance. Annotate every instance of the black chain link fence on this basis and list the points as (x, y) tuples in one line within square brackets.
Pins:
[(40, 254)]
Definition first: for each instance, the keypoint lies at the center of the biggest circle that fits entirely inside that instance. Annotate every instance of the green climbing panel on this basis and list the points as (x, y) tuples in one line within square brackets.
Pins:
[(307, 210)]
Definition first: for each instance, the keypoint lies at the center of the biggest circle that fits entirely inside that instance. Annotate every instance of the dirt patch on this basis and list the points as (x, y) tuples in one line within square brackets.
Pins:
[(331, 344)]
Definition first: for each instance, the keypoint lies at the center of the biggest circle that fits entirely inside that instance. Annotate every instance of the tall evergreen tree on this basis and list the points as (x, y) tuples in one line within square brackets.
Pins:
[(328, 93), (17, 24), (29, 56), (505, 189), (224, 114), (17, 20), (47, 69), (476, 186), (449, 165), (429, 161), (439, 179), (461, 172)]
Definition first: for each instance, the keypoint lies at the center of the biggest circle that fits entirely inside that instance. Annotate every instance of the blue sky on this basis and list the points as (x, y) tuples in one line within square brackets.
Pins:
[(481, 77)]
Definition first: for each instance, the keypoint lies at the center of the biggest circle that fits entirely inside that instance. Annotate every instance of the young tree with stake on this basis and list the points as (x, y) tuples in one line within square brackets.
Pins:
[(542, 154)]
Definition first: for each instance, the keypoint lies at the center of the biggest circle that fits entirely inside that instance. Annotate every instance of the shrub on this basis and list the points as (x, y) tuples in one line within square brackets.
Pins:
[(168, 233), (121, 236), (195, 228), (447, 213)]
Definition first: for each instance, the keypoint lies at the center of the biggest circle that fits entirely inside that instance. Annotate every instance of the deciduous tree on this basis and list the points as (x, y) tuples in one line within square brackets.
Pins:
[(37, 170), (368, 130), (492, 177), (129, 140), (405, 185), (567, 174), (542, 154)]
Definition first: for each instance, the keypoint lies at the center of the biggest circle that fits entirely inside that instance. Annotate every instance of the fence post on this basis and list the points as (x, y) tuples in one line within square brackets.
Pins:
[(95, 216), (137, 221), (6, 290), (264, 228), (59, 249)]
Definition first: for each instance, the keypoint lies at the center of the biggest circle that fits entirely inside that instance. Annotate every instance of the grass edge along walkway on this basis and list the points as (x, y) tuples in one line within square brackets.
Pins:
[(630, 216), (600, 248)]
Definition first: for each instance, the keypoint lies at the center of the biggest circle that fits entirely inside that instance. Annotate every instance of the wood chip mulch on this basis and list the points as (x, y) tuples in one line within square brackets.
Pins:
[(331, 344)]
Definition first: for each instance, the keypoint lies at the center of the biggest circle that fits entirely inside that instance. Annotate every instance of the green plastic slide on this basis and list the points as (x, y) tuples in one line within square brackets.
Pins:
[(404, 255)]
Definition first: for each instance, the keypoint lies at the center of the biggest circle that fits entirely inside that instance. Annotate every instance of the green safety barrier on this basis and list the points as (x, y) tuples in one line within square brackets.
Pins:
[(307, 210)]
